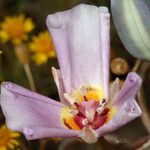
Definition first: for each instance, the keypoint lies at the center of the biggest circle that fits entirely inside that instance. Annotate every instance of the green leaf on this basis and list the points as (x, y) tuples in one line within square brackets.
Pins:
[(132, 22)]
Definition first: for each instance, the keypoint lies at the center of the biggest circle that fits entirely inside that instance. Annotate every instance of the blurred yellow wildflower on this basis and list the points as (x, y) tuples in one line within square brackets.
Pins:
[(15, 29), (42, 47), (8, 138)]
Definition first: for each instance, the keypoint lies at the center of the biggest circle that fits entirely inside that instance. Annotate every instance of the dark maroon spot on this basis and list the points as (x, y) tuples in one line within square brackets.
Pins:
[(80, 115), (131, 80), (78, 120), (103, 101), (76, 104), (66, 124), (80, 108), (99, 121), (85, 99), (105, 112)]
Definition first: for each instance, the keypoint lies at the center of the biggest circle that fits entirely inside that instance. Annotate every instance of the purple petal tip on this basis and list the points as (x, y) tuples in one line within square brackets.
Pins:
[(28, 131)]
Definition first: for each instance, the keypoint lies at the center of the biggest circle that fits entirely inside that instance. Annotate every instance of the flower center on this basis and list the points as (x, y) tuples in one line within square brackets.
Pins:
[(88, 109), (91, 114), (88, 113)]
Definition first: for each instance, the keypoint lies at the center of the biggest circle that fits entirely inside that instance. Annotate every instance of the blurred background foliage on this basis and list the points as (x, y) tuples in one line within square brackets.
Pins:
[(12, 70), (38, 11)]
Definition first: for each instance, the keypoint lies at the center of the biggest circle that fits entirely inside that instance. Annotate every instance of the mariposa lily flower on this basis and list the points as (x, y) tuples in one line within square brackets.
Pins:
[(88, 109)]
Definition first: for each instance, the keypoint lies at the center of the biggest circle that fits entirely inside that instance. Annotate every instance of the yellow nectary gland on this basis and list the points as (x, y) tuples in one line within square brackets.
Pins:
[(91, 93), (67, 119), (71, 124), (111, 114)]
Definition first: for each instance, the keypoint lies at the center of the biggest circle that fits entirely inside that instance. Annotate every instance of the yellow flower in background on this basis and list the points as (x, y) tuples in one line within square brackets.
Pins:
[(8, 138), (15, 29), (42, 48)]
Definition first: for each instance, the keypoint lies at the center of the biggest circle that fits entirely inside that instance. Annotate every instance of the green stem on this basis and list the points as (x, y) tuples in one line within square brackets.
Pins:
[(141, 98), (42, 144), (145, 112), (29, 76), (136, 66)]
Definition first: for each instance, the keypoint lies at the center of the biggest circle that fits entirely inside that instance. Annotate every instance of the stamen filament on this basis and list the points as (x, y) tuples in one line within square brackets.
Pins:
[(69, 99)]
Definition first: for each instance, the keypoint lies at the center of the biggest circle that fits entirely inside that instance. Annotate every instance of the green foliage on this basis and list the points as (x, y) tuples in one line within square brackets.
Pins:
[(132, 22)]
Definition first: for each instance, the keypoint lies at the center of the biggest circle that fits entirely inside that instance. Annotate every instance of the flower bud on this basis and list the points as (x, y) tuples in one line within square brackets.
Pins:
[(22, 53), (119, 66)]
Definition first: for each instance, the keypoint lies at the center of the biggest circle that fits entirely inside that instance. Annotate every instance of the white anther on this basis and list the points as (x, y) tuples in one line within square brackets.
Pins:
[(100, 110), (85, 122), (69, 99), (73, 112), (90, 115)]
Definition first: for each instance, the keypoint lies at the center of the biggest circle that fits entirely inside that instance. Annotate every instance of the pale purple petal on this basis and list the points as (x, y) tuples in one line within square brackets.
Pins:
[(84, 34), (127, 111), (129, 89), (39, 133), (24, 109), (105, 46), (127, 107), (58, 30), (18, 90)]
